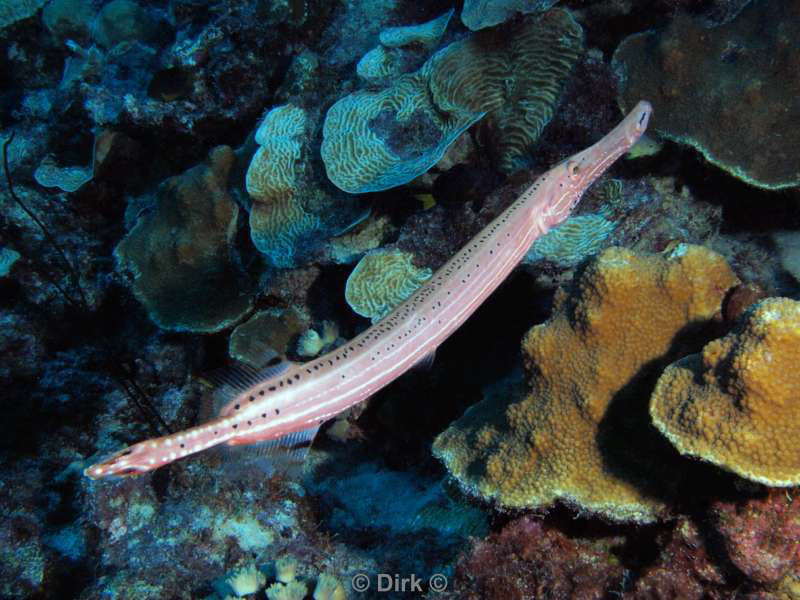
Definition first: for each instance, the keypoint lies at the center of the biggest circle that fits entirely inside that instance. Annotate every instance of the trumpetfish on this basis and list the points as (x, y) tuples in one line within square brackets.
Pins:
[(284, 405)]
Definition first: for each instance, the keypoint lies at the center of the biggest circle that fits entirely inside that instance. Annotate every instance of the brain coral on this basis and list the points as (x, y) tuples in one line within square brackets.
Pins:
[(515, 73), (581, 434), (736, 403), (572, 241), (375, 140), (180, 255), (731, 92), (382, 280), (285, 221)]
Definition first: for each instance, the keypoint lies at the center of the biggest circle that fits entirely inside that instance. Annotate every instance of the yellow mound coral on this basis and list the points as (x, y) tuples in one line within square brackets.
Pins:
[(582, 433), (382, 280), (736, 403)]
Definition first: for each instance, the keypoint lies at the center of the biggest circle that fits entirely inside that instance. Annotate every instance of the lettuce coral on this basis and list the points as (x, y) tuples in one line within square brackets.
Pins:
[(578, 434), (736, 403)]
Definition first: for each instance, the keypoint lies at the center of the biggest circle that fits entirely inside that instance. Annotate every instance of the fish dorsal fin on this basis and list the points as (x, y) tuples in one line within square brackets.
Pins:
[(234, 380), (285, 454)]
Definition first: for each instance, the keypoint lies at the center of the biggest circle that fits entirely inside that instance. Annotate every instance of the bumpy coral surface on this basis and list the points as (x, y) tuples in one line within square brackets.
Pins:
[(736, 404), (382, 280), (182, 252), (730, 92), (581, 433)]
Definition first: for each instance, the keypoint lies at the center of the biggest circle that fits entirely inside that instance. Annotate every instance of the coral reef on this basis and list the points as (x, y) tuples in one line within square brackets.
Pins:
[(726, 91), (578, 435), (734, 404), (479, 14), (291, 213), (572, 241), (12, 11), (375, 140), (402, 49), (267, 331), (279, 226), (527, 559), (760, 537), (514, 73), (183, 250), (382, 280)]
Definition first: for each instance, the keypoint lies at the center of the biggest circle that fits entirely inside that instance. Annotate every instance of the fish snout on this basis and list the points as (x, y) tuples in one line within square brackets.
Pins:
[(121, 464)]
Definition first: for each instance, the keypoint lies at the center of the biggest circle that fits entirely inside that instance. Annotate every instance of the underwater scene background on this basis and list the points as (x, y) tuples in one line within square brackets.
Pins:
[(189, 185)]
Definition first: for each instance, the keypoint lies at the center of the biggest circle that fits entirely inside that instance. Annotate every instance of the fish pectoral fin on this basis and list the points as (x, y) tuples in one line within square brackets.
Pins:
[(426, 362), (234, 380), (280, 454)]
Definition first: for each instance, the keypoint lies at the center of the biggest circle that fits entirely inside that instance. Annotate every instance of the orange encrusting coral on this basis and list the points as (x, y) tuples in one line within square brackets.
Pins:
[(736, 403), (580, 435)]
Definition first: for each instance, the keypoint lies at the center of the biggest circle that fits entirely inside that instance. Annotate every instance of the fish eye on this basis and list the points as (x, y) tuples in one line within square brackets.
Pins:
[(573, 169)]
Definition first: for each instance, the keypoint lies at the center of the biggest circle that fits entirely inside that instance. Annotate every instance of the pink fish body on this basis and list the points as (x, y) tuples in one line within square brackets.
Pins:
[(303, 396)]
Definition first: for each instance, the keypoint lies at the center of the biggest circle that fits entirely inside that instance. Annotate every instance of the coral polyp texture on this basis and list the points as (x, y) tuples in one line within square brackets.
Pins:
[(375, 140), (581, 433), (736, 403), (180, 254), (730, 92), (382, 280), (478, 14)]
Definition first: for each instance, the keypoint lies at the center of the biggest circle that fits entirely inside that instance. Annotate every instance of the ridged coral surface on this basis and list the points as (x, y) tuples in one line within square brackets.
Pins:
[(375, 140), (515, 73), (578, 434), (736, 404), (382, 280)]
